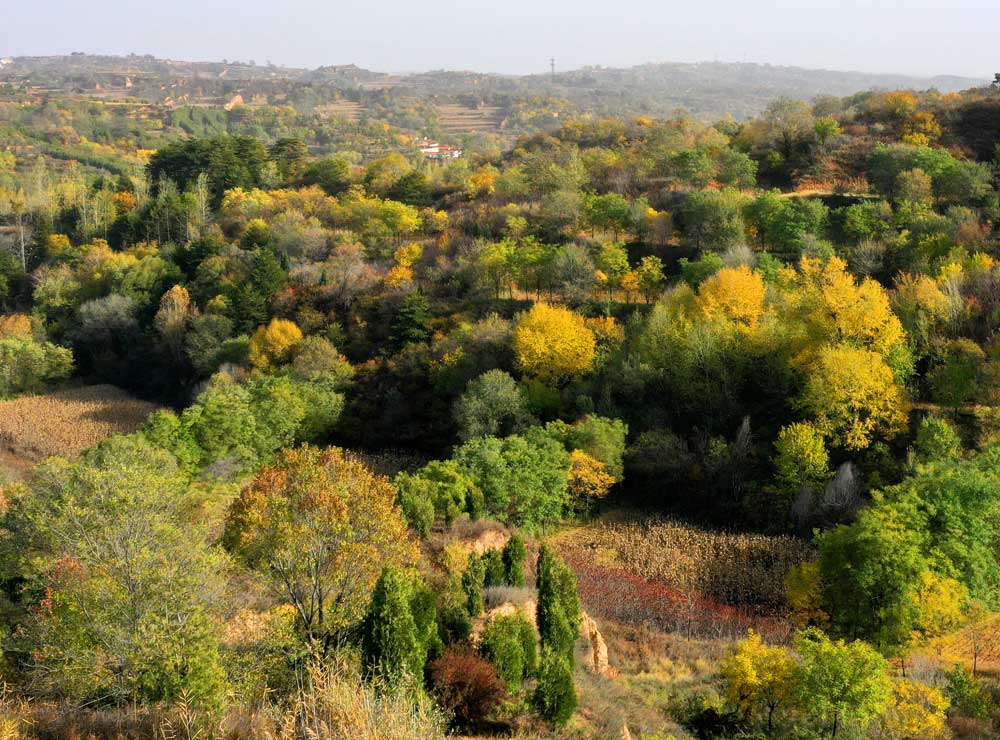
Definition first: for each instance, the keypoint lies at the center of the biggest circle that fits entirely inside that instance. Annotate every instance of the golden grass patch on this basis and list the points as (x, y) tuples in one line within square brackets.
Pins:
[(67, 422)]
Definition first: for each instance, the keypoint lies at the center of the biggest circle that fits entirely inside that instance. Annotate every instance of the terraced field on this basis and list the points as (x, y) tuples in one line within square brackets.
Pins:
[(345, 109), (460, 119)]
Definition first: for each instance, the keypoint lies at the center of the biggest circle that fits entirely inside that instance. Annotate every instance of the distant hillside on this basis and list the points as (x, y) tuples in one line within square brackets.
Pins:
[(740, 89), (707, 89)]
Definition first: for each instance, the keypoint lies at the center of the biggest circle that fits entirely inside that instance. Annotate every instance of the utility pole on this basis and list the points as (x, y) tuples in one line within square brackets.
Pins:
[(552, 66)]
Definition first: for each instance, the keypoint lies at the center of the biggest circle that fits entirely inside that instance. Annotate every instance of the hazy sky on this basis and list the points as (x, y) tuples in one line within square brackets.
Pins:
[(518, 36)]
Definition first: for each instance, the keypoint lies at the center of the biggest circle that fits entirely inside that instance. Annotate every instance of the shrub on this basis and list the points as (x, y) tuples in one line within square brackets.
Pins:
[(346, 709), (467, 686), (555, 696), (968, 695), (508, 642)]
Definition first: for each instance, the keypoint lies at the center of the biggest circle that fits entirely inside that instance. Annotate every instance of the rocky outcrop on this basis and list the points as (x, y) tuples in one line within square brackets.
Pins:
[(491, 539), (597, 654)]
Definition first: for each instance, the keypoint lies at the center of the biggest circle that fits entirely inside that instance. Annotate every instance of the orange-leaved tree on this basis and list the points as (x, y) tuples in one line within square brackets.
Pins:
[(320, 527)]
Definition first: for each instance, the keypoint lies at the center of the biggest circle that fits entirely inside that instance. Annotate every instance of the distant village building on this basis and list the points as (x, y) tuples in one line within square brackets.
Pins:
[(6, 60), (434, 150)]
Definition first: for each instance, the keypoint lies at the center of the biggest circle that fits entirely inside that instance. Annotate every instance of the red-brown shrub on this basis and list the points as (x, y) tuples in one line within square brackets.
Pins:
[(467, 686)]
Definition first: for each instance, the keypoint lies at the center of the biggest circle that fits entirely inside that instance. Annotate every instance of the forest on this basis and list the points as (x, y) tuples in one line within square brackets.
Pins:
[(616, 426)]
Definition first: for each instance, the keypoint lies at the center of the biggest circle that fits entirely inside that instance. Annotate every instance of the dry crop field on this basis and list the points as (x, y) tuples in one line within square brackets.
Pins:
[(66, 422), (638, 569)]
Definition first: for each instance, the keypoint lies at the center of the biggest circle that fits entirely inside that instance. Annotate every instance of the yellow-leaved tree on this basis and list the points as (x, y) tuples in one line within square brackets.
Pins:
[(173, 318), (853, 396), (759, 678), (16, 326), (940, 604), (273, 344), (401, 272), (553, 344), (833, 308), (804, 592), (733, 293), (588, 478), (916, 712)]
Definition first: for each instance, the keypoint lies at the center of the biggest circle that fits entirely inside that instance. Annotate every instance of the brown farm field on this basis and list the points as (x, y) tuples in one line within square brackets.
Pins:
[(65, 423), (676, 578)]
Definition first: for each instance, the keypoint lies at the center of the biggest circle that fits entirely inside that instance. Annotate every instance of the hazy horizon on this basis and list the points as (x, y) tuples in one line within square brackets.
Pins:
[(522, 36)]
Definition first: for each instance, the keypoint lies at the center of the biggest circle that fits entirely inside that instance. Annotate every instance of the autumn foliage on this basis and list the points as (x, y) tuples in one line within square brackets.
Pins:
[(553, 343), (320, 527)]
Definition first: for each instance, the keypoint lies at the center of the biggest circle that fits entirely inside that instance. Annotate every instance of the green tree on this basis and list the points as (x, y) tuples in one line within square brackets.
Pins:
[(222, 423), (514, 553), (522, 477), (494, 574), (508, 642), (555, 695), (869, 570), (390, 649), (333, 174), (439, 489), (558, 611), (610, 212), (936, 441), (801, 457), (228, 161), (289, 154), (473, 578), (713, 219), (784, 223), (492, 405), (410, 325), (27, 365), (841, 682), (118, 545)]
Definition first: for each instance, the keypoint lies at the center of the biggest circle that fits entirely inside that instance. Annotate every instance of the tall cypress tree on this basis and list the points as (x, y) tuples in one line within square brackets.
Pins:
[(514, 553), (472, 584), (390, 647), (558, 603)]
